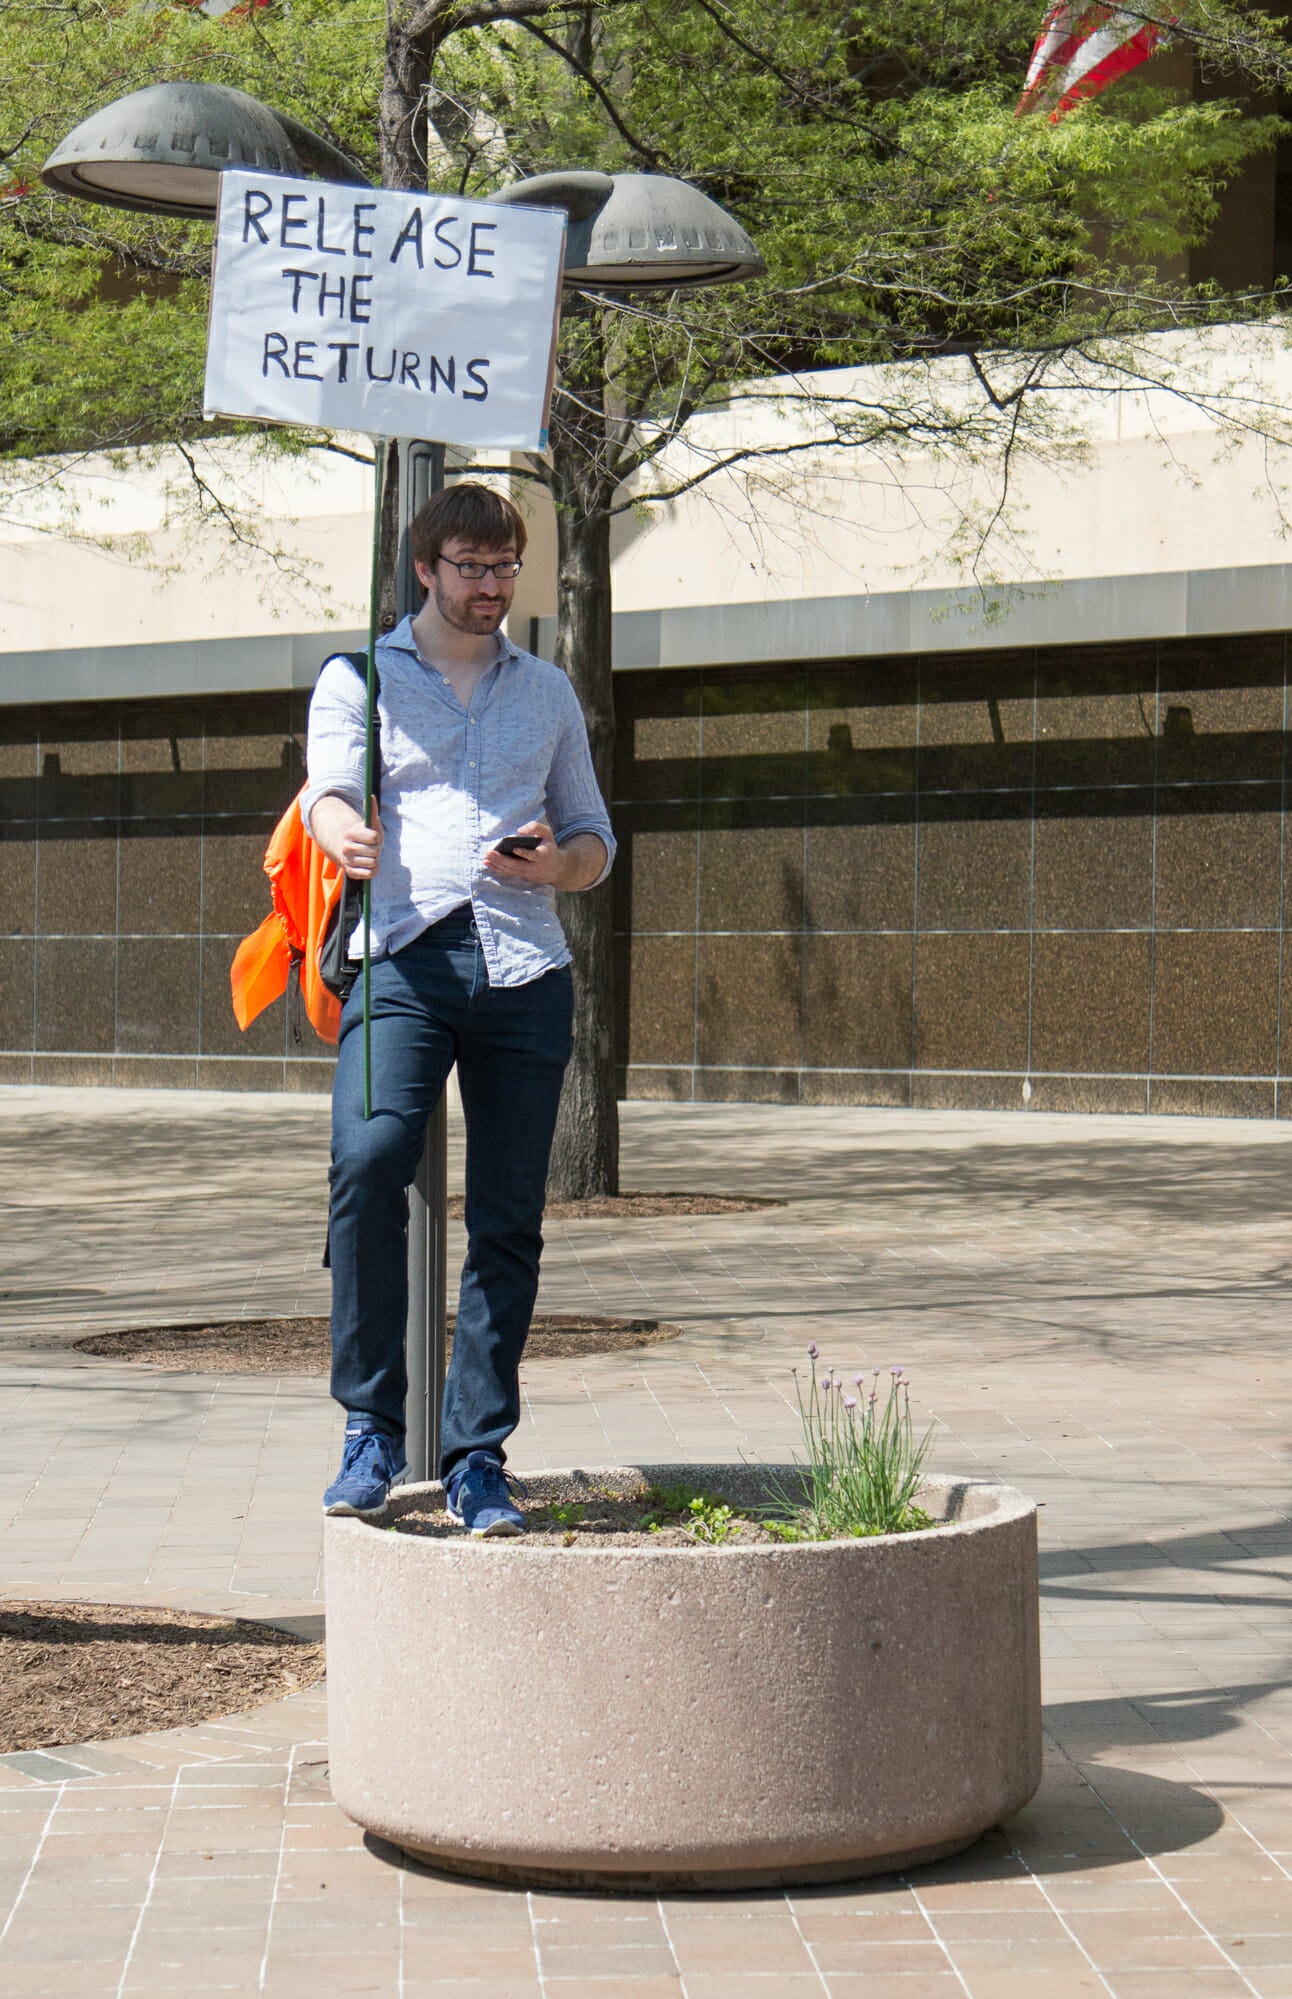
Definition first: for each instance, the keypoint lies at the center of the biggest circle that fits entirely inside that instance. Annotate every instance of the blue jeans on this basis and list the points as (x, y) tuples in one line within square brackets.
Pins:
[(432, 1005)]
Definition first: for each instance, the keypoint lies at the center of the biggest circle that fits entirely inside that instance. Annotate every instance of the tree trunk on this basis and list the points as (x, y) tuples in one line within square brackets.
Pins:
[(401, 128), (585, 1155), (401, 111)]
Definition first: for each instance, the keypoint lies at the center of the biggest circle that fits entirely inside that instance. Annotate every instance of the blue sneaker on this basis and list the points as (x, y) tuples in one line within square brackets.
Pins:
[(371, 1464), (477, 1496)]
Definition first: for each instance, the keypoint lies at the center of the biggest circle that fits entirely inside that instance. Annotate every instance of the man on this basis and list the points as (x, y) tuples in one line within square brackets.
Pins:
[(479, 741)]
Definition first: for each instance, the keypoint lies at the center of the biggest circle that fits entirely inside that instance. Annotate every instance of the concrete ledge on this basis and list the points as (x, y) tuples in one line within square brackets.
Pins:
[(1084, 610), (258, 665), (700, 1718)]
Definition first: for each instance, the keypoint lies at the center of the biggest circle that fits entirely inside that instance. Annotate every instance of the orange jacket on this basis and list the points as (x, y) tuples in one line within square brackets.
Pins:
[(305, 886)]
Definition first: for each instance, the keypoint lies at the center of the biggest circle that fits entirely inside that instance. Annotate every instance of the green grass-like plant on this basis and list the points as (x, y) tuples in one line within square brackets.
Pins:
[(863, 1460)]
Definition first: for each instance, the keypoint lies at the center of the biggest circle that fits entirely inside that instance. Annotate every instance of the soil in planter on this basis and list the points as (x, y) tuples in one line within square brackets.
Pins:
[(660, 1517), (302, 1346), (86, 1672)]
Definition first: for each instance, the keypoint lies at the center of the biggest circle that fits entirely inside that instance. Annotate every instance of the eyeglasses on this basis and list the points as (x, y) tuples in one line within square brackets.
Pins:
[(474, 571)]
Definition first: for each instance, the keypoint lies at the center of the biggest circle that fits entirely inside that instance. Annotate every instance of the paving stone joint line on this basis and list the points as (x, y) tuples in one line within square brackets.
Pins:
[(1092, 1308)]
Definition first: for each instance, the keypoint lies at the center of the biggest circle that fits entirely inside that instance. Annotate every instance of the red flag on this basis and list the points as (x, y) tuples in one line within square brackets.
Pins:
[(1082, 49)]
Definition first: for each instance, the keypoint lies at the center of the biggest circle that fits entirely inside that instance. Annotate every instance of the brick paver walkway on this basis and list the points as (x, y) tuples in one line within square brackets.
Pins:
[(1092, 1308)]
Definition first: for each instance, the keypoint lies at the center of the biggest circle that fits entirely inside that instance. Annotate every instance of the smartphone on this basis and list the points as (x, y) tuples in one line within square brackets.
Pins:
[(512, 843)]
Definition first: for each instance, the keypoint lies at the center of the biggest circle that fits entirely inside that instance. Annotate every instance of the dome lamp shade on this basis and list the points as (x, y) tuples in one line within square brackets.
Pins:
[(161, 151), (635, 232)]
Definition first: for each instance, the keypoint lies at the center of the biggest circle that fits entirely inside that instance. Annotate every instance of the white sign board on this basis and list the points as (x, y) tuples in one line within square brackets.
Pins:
[(403, 315)]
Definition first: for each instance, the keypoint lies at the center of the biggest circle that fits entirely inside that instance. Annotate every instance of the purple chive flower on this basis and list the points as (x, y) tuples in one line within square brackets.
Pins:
[(859, 1381), (849, 1401), (826, 1385), (896, 1373), (812, 1349)]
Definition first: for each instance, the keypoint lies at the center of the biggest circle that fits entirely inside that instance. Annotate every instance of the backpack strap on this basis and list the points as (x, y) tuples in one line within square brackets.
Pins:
[(337, 971), (359, 661)]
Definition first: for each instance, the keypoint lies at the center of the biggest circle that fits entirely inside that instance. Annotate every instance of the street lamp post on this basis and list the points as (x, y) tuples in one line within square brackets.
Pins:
[(421, 473), (161, 151)]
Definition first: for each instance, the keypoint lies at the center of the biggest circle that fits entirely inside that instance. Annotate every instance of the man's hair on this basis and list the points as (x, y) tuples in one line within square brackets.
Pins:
[(484, 518)]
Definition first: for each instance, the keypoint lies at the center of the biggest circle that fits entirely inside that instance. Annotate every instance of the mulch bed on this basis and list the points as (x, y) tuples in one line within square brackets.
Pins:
[(86, 1672), (302, 1346), (627, 1207)]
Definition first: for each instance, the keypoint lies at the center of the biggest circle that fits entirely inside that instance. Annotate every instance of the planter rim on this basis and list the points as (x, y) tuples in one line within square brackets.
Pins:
[(1010, 1504)]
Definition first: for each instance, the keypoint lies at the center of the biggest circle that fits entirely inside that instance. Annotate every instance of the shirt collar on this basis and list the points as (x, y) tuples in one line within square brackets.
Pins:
[(403, 641)]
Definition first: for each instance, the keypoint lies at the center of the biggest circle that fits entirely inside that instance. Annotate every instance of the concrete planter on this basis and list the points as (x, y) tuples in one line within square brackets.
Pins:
[(638, 1717)]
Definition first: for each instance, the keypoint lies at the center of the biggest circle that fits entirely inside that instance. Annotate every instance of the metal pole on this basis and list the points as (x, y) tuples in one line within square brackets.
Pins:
[(370, 749), (427, 1334), (421, 473)]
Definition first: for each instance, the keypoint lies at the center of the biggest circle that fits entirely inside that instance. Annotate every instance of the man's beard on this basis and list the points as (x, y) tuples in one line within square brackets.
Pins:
[(477, 623)]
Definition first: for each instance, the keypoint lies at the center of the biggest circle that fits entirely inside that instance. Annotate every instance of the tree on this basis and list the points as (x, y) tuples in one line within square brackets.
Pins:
[(912, 226), (980, 243)]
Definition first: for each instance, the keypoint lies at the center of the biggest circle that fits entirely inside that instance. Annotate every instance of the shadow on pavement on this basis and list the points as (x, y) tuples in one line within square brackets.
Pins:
[(1217, 1182), (1195, 1714), (1115, 1571), (1101, 1815)]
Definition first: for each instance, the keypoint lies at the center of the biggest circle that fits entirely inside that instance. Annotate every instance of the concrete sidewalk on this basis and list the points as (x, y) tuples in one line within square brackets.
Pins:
[(1093, 1308)]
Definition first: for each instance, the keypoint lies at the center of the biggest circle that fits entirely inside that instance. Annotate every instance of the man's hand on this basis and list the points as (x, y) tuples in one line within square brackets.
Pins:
[(339, 830), (576, 864)]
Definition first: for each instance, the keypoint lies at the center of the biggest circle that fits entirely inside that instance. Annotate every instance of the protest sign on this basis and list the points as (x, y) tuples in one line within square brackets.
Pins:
[(370, 309)]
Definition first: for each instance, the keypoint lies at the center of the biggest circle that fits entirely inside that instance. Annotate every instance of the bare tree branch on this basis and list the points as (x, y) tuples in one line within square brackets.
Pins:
[(337, 450), (430, 25), (585, 75)]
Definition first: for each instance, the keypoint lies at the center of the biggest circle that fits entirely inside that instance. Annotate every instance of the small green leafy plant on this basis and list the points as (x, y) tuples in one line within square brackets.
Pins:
[(785, 1530), (863, 1460), (709, 1522), (703, 1518), (664, 1504)]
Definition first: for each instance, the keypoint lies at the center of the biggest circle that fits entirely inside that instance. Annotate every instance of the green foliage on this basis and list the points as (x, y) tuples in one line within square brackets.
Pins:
[(710, 1522), (665, 1505), (84, 370), (103, 313), (903, 209), (705, 1519), (786, 1530)]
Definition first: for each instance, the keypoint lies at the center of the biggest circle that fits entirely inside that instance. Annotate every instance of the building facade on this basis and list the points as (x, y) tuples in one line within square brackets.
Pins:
[(877, 847)]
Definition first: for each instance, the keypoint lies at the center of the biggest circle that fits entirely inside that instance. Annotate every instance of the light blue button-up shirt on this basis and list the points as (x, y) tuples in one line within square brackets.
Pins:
[(453, 781)]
